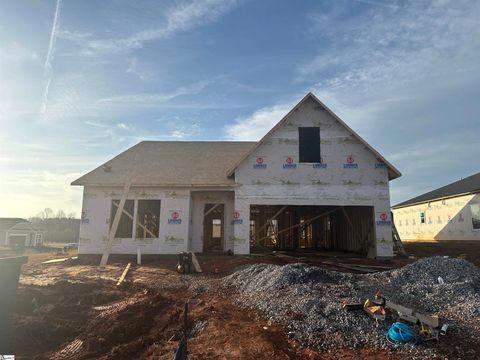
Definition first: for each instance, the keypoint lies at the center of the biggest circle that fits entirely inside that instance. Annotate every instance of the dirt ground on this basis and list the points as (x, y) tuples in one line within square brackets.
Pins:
[(469, 250), (74, 310)]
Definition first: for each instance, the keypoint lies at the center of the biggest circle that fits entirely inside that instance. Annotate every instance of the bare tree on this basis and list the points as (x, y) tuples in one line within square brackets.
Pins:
[(48, 213)]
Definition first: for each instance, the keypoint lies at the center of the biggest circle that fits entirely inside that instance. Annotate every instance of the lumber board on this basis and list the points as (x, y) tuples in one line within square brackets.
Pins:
[(306, 222), (195, 263), (270, 219), (116, 221), (350, 267), (59, 260), (397, 241), (211, 209), (122, 277), (380, 267)]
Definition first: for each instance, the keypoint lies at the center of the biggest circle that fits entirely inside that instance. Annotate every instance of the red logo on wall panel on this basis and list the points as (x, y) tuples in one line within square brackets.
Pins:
[(259, 160), (383, 216), (236, 215), (350, 159), (289, 160), (175, 215)]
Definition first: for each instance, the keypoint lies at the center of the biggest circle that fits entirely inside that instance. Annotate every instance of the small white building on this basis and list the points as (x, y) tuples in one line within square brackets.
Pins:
[(451, 212), (17, 232), (310, 183)]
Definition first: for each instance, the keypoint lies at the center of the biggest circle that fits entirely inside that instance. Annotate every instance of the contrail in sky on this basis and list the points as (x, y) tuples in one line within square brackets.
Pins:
[(47, 68)]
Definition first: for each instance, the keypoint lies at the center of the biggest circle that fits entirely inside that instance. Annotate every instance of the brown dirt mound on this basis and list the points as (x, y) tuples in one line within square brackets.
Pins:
[(121, 330)]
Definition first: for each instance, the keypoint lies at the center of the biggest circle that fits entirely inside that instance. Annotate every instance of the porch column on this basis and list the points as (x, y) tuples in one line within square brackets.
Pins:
[(383, 231), (241, 226)]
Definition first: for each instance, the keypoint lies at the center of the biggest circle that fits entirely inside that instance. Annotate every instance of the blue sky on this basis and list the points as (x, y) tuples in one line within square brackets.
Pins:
[(81, 81)]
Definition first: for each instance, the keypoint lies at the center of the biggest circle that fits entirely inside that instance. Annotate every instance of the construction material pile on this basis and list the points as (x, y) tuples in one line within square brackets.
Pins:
[(307, 300)]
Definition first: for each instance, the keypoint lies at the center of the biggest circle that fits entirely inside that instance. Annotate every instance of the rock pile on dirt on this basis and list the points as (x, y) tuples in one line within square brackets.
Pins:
[(307, 300)]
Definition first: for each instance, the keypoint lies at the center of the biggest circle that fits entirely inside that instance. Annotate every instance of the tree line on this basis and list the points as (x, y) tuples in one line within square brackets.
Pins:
[(59, 227)]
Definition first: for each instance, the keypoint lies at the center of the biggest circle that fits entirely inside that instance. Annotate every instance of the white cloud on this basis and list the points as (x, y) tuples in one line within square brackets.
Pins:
[(75, 36), (31, 191), (125, 127), (182, 132), (15, 52), (392, 49), (255, 126), (95, 124), (180, 18), (139, 70), (148, 99)]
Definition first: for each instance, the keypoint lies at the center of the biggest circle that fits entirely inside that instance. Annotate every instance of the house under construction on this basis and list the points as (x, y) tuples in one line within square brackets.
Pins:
[(310, 183)]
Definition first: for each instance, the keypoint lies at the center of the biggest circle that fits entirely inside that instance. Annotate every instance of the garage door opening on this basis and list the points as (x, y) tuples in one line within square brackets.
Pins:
[(297, 227), (17, 241)]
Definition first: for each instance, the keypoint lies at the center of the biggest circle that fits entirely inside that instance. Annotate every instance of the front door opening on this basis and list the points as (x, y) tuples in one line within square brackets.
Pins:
[(213, 227)]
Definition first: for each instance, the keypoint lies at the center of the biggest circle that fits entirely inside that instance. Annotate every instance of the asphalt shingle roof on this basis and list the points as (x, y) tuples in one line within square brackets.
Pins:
[(7, 223), (467, 185), (170, 163)]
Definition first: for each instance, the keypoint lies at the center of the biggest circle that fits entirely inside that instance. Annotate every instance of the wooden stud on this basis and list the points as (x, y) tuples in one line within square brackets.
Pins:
[(138, 223), (270, 219), (305, 222)]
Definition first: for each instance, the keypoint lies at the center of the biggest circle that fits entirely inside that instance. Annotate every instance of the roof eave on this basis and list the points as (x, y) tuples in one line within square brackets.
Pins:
[(153, 185)]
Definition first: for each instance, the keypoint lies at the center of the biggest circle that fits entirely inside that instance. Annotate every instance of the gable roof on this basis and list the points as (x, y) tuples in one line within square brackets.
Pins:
[(393, 173), (7, 223), (24, 225), (466, 186), (170, 163)]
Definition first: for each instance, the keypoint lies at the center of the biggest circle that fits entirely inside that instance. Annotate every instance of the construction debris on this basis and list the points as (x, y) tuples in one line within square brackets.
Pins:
[(361, 269), (374, 310), (187, 261), (377, 309), (195, 263), (54, 261), (184, 264), (400, 333), (306, 299), (122, 277)]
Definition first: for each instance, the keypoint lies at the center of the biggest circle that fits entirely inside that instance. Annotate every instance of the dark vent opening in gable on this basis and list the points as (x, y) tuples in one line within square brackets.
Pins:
[(309, 144)]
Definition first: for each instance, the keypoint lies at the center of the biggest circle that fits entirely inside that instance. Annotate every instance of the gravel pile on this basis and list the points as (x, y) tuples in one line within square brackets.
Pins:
[(307, 300)]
